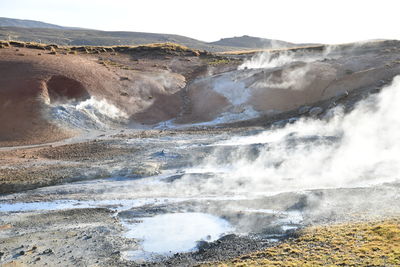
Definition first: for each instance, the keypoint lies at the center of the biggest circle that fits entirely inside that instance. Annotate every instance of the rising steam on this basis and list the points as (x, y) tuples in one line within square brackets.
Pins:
[(360, 148), (89, 114), (352, 149)]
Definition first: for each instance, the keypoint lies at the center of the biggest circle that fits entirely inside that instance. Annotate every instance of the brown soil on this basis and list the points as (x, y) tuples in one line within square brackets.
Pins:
[(156, 83), (144, 82)]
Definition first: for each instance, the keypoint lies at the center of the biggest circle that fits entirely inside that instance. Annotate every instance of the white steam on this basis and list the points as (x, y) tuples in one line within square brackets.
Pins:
[(274, 59), (360, 148), (267, 60), (89, 114), (233, 90), (93, 105), (295, 78)]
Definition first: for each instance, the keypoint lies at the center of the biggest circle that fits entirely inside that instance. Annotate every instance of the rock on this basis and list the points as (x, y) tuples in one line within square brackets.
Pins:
[(329, 114), (279, 124), (315, 111), (382, 82), (375, 90), (47, 251), (303, 110), (228, 237), (202, 245), (341, 96), (282, 123), (87, 237)]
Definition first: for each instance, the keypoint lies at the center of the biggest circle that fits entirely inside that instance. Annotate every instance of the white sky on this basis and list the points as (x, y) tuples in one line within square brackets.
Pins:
[(323, 21)]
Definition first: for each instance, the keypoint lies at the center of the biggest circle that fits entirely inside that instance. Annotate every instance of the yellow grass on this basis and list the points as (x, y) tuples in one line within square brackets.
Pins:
[(355, 244)]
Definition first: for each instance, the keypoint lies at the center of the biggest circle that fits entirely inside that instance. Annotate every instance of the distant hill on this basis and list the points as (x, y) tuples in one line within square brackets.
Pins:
[(23, 23), (252, 42), (36, 31), (101, 38)]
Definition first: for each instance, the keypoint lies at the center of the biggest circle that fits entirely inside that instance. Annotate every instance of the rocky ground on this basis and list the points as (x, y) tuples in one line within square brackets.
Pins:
[(78, 237)]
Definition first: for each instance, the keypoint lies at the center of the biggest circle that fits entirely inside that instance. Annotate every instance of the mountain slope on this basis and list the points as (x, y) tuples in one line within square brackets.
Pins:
[(251, 42), (36, 31), (23, 23), (100, 38)]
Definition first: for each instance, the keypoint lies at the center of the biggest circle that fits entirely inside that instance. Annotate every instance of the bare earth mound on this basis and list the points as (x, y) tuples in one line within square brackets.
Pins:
[(49, 93)]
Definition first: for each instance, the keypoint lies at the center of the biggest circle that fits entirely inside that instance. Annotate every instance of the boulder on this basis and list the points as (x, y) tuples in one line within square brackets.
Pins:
[(315, 111)]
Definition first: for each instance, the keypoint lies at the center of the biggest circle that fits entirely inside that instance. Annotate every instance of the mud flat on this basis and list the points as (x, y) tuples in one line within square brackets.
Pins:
[(74, 237), (133, 232), (137, 218)]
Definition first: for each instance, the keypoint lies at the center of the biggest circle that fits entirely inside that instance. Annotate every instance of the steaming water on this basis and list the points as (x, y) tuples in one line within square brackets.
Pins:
[(177, 232)]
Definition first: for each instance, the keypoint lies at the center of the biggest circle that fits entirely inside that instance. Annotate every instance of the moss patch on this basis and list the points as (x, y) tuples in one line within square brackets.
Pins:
[(356, 244)]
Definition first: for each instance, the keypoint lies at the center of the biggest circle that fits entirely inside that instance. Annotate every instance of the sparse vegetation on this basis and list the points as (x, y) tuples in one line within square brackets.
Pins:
[(219, 61), (155, 48), (111, 63), (355, 244)]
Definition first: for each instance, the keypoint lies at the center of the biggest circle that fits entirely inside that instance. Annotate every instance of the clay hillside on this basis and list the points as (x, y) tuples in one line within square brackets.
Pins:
[(153, 84)]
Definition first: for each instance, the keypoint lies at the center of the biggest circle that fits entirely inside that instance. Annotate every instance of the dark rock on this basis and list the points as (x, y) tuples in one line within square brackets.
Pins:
[(315, 111), (341, 96), (279, 124), (202, 245), (303, 110), (47, 251)]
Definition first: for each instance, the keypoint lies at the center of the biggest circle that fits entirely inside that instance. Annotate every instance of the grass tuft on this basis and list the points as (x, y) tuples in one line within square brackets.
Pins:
[(355, 244)]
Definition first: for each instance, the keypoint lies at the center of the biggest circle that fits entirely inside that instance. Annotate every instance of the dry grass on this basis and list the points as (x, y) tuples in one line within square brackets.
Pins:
[(167, 48), (356, 244), (272, 50)]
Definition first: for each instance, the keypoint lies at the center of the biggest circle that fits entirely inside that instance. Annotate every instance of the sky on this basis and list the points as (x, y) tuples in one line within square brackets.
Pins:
[(299, 21)]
